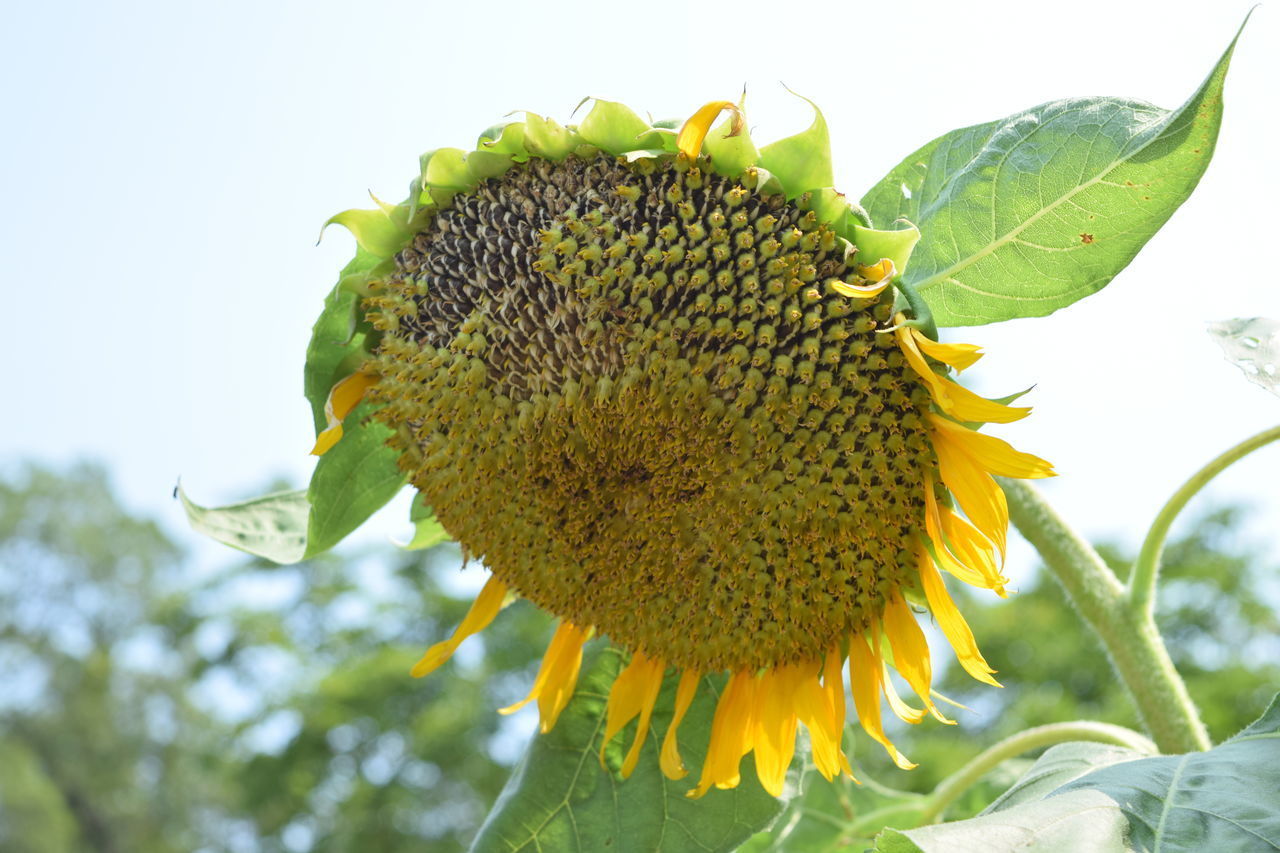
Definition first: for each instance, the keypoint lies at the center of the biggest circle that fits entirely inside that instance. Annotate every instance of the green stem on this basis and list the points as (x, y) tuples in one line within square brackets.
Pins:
[(1131, 639), (1142, 585), (1025, 741)]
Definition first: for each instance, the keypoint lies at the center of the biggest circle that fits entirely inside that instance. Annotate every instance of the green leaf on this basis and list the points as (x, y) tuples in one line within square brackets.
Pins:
[(273, 526), (352, 481), (802, 162), (427, 530), (1253, 345), (1223, 799), (334, 342), (559, 798), (546, 138), (1029, 214)]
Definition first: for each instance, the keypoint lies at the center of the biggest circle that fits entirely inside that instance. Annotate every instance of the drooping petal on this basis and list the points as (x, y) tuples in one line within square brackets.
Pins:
[(343, 397), (626, 697), (880, 274), (821, 708), (973, 550), (910, 652), (669, 760), (731, 733), (933, 529), (993, 454), (557, 676), (952, 398), (695, 128), (959, 356), (866, 674), (650, 685), (978, 494), (775, 723), (483, 609), (952, 623)]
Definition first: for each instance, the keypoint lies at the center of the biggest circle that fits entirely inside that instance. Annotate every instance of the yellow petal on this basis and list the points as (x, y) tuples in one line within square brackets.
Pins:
[(731, 734), (695, 129), (959, 356), (650, 685), (483, 609), (910, 651), (994, 454), (952, 623), (557, 676), (669, 760), (820, 707), (972, 549), (978, 494), (881, 274), (625, 699), (866, 673), (343, 397), (952, 398), (934, 530), (775, 723)]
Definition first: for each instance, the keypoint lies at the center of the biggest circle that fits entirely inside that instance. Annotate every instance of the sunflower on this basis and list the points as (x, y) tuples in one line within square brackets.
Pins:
[(671, 388)]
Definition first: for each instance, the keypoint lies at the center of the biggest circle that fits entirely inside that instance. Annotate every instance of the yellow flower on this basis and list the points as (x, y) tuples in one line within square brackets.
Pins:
[(668, 387)]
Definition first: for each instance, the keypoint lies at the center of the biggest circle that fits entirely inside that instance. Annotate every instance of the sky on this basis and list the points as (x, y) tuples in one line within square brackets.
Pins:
[(167, 166)]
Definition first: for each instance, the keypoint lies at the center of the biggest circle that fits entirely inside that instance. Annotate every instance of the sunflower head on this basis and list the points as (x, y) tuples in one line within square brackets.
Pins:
[(670, 388)]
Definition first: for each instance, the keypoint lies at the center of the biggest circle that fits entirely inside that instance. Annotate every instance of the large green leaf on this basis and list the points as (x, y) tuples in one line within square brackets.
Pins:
[(559, 798), (1031, 213), (1223, 799), (351, 482)]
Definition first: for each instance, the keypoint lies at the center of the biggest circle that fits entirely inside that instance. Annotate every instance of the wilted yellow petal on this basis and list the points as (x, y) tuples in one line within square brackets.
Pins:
[(483, 609), (959, 356), (951, 621), (695, 129), (952, 398), (978, 494), (669, 760), (910, 652), (731, 734), (557, 676), (343, 397), (866, 673), (994, 454)]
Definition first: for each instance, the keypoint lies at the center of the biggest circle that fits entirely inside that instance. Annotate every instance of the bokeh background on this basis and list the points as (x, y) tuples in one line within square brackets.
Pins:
[(165, 171)]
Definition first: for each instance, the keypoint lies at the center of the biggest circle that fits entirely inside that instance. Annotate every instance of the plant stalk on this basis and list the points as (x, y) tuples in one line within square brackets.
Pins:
[(1142, 584), (1131, 639)]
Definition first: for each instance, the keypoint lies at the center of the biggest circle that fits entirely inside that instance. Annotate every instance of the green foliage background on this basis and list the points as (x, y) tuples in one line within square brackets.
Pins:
[(256, 708)]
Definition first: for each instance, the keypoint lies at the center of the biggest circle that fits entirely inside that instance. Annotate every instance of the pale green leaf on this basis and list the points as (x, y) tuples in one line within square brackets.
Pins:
[(1080, 821), (1253, 345), (273, 526), (615, 128), (1028, 214), (560, 799), (1059, 765)]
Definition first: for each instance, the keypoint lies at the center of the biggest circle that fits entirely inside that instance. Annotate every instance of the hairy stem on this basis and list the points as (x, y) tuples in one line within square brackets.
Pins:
[(1131, 639), (1025, 741), (1142, 585)]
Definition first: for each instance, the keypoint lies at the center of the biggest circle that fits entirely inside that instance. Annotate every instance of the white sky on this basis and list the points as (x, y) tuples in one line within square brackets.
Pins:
[(167, 166)]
